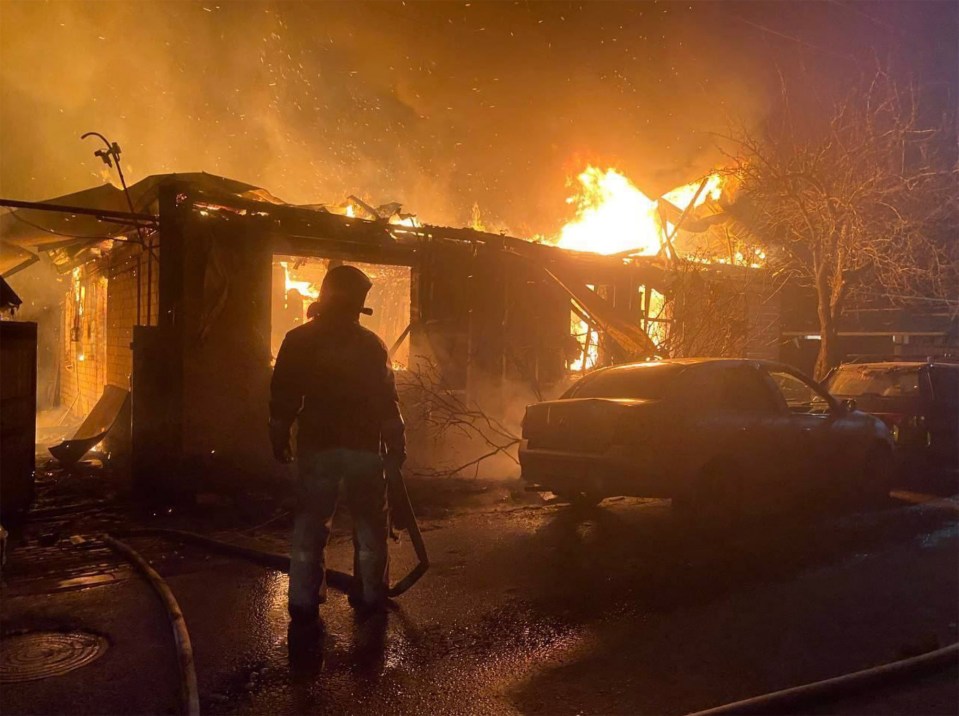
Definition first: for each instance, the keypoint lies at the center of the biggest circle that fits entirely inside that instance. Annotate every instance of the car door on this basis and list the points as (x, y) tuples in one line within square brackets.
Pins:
[(752, 421), (942, 416), (816, 436)]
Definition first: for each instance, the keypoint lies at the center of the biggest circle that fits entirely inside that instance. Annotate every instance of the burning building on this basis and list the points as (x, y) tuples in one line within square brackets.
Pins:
[(183, 301)]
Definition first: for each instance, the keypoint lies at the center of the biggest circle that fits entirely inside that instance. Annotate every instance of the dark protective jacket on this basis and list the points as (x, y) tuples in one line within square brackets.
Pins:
[(334, 377)]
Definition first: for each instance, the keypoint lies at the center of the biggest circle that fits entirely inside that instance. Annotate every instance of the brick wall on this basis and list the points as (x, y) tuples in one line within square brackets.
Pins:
[(129, 272), (121, 317), (83, 369), (107, 292)]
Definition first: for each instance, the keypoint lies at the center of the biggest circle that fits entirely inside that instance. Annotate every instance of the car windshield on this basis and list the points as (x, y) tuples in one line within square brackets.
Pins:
[(945, 383), (641, 382), (886, 381)]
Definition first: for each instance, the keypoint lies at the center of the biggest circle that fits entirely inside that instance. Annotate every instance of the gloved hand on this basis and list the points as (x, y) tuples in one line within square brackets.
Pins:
[(282, 444)]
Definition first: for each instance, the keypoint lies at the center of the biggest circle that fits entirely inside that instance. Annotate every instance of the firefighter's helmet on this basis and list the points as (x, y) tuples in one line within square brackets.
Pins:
[(346, 287)]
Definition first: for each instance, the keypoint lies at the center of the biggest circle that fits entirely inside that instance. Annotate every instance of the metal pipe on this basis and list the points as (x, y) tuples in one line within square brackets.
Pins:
[(139, 288), (113, 150), (150, 281)]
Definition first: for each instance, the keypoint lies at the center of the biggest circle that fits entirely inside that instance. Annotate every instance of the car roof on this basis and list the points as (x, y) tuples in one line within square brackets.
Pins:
[(900, 364), (688, 362)]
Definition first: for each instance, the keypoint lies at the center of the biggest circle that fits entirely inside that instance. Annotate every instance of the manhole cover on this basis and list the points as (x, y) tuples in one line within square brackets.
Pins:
[(38, 655)]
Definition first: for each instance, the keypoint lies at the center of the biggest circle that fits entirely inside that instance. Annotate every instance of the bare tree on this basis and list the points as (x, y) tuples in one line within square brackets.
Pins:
[(857, 200), (706, 311), (448, 417)]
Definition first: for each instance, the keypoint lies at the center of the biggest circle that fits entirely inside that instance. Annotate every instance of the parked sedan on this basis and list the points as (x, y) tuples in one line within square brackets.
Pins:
[(919, 401), (709, 433)]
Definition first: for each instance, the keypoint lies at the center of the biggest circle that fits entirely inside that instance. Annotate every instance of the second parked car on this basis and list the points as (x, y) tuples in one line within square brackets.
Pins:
[(919, 401), (707, 433)]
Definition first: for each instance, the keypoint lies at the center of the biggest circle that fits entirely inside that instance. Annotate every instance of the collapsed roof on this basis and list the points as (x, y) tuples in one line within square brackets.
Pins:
[(25, 232), (79, 227)]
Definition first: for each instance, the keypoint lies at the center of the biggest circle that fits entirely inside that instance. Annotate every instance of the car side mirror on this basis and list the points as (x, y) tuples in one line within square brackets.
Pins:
[(847, 406)]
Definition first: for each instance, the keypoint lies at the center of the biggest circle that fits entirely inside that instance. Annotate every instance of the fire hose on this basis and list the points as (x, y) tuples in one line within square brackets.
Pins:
[(805, 695), (189, 692), (402, 518)]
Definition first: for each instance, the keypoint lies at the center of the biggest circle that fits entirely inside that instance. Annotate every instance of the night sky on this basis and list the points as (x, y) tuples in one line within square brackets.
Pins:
[(436, 105)]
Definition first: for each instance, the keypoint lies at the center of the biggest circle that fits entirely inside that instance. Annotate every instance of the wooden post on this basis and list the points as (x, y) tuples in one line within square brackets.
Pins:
[(156, 384)]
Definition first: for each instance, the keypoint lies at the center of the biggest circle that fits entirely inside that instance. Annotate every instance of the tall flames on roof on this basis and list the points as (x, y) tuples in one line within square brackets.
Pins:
[(613, 216)]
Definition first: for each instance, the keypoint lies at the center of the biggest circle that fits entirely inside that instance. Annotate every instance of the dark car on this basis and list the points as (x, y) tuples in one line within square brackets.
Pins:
[(919, 401), (705, 432)]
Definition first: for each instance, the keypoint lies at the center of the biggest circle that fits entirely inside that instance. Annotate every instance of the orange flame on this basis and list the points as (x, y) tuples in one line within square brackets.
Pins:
[(306, 288), (681, 196), (614, 216)]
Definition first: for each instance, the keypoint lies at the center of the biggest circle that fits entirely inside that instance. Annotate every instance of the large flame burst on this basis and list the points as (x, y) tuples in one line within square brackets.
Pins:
[(613, 216)]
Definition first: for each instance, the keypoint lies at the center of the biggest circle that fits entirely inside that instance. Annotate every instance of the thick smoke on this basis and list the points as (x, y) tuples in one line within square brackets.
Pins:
[(42, 290), (437, 105)]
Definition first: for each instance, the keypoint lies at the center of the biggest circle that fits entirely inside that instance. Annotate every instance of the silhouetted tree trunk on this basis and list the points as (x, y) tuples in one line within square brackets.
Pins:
[(858, 200)]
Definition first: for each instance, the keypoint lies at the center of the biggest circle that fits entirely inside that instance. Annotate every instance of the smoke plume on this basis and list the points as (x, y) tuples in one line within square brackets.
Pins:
[(441, 106)]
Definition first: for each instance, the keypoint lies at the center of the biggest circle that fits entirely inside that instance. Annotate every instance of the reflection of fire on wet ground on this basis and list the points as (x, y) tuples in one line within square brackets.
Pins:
[(54, 548)]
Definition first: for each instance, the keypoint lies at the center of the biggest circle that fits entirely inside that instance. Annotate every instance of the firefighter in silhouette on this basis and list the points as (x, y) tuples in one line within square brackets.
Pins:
[(333, 378)]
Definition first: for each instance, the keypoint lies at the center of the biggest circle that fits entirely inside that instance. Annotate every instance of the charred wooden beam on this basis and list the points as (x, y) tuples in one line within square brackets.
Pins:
[(124, 217)]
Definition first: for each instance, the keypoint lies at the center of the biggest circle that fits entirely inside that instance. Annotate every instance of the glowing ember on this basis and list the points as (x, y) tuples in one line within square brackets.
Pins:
[(614, 216)]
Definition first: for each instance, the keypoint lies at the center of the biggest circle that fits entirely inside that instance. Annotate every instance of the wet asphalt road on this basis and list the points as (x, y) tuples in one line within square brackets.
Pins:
[(621, 609)]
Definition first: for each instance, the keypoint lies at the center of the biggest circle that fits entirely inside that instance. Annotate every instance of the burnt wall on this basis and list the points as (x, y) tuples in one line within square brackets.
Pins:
[(128, 305), (485, 317), (491, 331), (84, 360), (18, 405), (225, 325), (104, 300), (440, 312), (121, 317), (536, 329)]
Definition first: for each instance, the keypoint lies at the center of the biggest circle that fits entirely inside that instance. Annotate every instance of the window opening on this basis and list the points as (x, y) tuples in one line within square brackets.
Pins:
[(296, 284), (655, 320), (587, 340)]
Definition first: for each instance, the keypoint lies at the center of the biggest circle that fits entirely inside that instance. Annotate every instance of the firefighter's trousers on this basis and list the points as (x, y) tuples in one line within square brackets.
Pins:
[(364, 488)]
